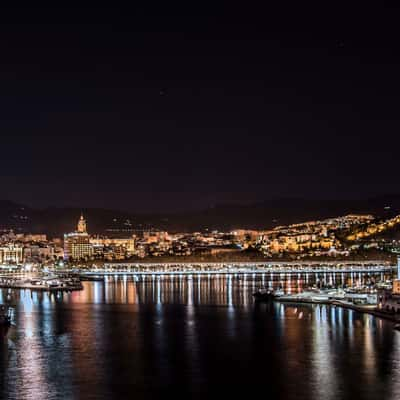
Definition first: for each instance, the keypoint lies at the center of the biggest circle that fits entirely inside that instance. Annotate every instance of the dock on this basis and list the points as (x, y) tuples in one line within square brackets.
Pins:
[(43, 284), (361, 308)]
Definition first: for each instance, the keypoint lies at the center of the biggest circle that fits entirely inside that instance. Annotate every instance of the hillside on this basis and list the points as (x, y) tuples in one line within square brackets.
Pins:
[(264, 215)]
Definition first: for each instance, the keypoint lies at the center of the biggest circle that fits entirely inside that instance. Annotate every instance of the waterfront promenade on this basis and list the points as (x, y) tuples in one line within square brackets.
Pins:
[(213, 268)]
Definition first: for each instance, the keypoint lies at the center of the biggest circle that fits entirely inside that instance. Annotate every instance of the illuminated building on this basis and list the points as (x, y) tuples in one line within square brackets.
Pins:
[(390, 301), (77, 245), (35, 238), (127, 243), (11, 254), (38, 252), (82, 225), (396, 282)]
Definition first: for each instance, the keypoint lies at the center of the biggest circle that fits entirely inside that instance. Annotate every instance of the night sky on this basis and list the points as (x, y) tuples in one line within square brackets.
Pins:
[(172, 108)]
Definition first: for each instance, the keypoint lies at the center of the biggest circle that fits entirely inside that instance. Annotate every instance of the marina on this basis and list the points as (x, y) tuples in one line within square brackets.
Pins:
[(44, 283), (376, 297), (339, 301)]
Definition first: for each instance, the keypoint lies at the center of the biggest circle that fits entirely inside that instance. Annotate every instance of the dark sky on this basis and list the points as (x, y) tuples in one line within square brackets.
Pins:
[(180, 107)]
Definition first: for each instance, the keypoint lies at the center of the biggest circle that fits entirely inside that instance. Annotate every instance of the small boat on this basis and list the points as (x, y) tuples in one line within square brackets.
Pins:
[(322, 298), (267, 294), (263, 295), (5, 319), (92, 278)]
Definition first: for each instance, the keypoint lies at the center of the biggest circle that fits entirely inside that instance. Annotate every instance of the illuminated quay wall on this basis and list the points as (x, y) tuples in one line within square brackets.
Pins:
[(261, 267)]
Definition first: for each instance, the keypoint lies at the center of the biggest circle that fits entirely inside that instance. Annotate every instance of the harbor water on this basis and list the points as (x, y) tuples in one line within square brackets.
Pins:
[(194, 337)]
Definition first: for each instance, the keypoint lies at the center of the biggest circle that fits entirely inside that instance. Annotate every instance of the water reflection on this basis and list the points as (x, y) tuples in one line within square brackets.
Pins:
[(197, 337), (206, 289)]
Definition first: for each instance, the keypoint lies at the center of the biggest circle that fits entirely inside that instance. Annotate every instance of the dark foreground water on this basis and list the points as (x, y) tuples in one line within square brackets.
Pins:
[(202, 338)]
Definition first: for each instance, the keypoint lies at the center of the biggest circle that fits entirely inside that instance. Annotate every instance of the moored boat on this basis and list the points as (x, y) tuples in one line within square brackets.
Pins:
[(267, 294), (5, 319), (92, 278)]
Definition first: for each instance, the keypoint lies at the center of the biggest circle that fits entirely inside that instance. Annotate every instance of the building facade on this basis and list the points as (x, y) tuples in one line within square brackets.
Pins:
[(77, 244), (389, 300), (11, 254)]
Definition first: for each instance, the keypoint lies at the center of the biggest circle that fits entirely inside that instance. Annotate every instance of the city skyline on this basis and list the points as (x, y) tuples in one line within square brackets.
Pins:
[(345, 237)]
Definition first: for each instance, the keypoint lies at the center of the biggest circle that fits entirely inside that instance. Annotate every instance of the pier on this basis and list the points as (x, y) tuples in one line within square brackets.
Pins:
[(368, 309)]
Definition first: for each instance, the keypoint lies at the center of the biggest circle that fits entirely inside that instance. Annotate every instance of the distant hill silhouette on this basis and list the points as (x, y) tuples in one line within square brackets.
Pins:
[(264, 215)]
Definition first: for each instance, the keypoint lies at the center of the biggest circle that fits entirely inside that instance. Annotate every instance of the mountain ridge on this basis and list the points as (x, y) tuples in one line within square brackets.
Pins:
[(54, 221)]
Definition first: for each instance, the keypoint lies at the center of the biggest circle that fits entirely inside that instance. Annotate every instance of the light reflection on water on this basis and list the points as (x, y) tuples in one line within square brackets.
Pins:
[(196, 338)]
